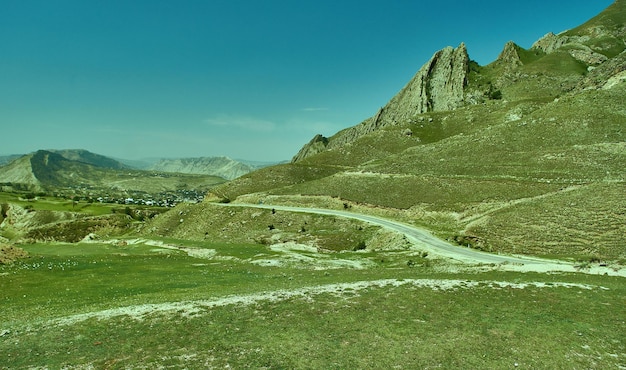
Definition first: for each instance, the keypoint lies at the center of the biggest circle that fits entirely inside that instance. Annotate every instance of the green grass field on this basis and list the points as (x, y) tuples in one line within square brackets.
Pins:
[(141, 305)]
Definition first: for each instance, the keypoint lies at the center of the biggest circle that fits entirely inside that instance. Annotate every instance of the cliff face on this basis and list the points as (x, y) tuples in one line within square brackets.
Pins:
[(437, 86)]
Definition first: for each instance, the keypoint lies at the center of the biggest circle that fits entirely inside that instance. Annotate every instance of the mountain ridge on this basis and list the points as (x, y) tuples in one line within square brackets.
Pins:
[(437, 86), (46, 170), (531, 162), (443, 83), (224, 167)]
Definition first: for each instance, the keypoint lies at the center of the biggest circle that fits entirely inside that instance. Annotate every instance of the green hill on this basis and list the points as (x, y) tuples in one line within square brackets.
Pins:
[(528, 158)]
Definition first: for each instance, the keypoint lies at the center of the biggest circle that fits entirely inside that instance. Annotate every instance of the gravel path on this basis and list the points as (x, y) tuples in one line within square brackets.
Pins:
[(442, 248)]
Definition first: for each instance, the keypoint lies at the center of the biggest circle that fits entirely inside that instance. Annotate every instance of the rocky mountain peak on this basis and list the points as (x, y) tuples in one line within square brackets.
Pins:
[(316, 145), (510, 55), (437, 86)]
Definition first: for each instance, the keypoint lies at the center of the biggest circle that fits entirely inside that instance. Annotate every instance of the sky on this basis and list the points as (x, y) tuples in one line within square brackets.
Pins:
[(247, 79)]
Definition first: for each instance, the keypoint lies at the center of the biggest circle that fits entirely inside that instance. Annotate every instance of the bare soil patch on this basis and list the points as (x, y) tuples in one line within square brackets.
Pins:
[(9, 254)]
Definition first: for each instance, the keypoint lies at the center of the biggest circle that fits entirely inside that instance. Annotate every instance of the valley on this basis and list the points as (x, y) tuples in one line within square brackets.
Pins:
[(476, 220)]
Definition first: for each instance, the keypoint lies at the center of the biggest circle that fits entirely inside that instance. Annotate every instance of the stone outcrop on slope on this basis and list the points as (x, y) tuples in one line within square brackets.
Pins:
[(575, 45), (595, 41), (510, 55), (316, 145), (437, 86)]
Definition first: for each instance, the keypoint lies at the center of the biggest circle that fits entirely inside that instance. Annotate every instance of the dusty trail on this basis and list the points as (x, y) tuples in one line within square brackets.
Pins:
[(444, 249), (477, 218), (197, 307)]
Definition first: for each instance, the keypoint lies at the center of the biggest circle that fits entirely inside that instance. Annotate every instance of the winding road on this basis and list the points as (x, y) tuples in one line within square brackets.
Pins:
[(444, 249)]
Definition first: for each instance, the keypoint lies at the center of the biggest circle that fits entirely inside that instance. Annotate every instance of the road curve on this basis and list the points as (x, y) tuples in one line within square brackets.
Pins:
[(429, 242)]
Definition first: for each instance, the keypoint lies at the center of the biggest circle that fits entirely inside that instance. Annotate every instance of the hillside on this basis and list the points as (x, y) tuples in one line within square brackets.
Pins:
[(363, 252), (215, 166), (84, 156), (524, 155)]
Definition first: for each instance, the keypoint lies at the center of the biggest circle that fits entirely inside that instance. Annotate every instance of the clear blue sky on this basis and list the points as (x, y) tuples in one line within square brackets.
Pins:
[(249, 79)]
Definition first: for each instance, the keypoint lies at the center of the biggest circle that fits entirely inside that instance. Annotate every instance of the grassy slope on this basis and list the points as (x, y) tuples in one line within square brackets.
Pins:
[(548, 182), (257, 226), (407, 326), (544, 136)]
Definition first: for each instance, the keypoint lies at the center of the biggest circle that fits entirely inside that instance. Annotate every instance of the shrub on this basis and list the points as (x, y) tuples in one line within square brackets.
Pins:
[(360, 246)]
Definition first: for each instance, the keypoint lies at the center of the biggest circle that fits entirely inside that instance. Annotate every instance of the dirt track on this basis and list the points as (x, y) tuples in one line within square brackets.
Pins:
[(444, 249)]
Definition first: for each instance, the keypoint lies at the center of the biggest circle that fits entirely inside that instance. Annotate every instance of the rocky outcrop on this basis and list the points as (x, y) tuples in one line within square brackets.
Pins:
[(594, 42), (509, 56), (551, 42), (574, 45), (437, 86), (316, 145), (607, 75)]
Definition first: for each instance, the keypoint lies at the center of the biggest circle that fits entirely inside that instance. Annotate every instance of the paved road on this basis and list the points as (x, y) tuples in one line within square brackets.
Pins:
[(428, 241)]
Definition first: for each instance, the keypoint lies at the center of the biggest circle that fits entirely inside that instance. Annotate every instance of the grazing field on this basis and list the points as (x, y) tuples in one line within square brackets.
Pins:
[(139, 303)]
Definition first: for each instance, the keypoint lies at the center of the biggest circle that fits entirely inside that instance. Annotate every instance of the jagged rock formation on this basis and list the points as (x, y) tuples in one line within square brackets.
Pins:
[(316, 145), (437, 86), (594, 42), (510, 55), (575, 45), (215, 166), (441, 84)]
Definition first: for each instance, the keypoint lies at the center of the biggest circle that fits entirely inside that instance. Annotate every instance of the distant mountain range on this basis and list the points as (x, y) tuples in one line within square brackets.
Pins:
[(47, 170), (216, 166), (223, 167)]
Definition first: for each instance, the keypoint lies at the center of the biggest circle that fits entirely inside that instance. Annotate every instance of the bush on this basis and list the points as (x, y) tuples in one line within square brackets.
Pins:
[(359, 247), (495, 94)]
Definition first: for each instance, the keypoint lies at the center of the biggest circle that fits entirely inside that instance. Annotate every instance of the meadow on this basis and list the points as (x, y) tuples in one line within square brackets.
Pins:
[(165, 303)]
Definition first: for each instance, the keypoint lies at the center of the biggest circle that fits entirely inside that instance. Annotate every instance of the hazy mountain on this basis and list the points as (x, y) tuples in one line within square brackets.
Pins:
[(48, 170), (84, 156), (216, 166), (5, 159), (524, 155)]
